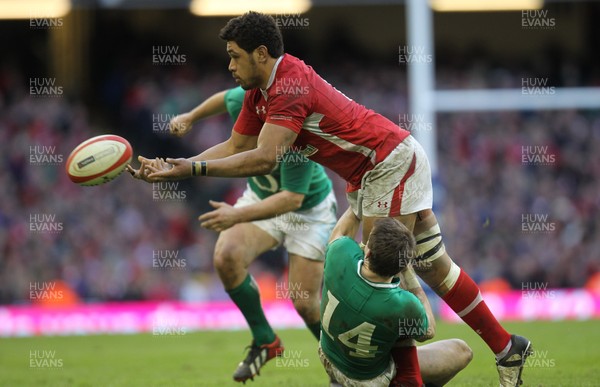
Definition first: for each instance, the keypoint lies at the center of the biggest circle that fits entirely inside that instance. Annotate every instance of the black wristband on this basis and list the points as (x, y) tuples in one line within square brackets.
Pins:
[(194, 171), (203, 169)]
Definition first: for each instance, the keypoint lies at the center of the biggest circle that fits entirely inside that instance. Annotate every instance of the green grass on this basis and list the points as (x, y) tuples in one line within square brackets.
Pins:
[(569, 353)]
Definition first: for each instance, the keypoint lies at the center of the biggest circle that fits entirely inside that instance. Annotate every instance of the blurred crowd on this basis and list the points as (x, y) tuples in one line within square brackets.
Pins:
[(503, 214)]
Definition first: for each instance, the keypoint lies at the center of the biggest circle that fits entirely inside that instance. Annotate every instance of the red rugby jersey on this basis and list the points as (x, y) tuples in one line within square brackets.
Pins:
[(333, 130)]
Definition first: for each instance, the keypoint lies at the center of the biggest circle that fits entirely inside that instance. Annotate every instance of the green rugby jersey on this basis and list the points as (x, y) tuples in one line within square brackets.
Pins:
[(361, 320), (294, 172)]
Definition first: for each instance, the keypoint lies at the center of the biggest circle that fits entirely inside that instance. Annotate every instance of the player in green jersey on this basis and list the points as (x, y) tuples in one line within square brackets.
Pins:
[(366, 317), (294, 206)]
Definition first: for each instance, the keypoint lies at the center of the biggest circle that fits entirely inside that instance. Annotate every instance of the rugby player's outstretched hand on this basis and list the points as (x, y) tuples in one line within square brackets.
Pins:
[(172, 169), (223, 217), (144, 169)]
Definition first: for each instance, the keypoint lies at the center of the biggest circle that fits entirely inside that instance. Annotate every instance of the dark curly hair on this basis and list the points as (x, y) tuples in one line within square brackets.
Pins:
[(254, 29)]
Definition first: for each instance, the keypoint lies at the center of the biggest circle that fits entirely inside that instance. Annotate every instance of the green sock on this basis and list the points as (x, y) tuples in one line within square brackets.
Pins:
[(247, 299), (315, 329)]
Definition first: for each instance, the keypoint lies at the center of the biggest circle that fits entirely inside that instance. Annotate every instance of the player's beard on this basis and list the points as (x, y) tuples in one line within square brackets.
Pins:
[(253, 80)]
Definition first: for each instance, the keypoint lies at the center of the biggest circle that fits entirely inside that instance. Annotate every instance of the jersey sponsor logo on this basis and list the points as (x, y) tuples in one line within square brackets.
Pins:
[(382, 204)]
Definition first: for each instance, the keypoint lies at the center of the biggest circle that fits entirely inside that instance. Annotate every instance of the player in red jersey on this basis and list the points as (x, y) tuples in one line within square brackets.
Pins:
[(289, 106)]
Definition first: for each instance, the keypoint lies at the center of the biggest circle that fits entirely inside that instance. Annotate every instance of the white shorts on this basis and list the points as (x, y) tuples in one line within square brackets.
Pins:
[(383, 380), (304, 233), (399, 185)]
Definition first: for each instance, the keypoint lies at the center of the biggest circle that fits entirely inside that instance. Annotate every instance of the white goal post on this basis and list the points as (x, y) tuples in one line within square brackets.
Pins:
[(425, 101)]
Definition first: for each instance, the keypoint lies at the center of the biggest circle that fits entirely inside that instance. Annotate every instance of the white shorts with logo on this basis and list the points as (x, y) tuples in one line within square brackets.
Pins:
[(304, 233), (399, 185), (383, 380)]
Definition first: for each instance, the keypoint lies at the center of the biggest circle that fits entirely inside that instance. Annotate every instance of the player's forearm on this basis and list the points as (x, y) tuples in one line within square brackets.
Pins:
[(274, 205), (237, 143), (430, 333), (412, 284), (244, 164), (219, 151), (347, 225), (215, 104)]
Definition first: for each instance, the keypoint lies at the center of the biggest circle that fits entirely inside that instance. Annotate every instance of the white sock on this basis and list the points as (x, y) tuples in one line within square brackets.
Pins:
[(503, 353)]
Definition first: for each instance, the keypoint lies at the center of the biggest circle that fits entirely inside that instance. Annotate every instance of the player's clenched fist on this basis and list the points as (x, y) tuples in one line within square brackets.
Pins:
[(180, 125)]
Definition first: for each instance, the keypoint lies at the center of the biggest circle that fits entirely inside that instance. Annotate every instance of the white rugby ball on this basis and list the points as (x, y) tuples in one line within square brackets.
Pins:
[(99, 160)]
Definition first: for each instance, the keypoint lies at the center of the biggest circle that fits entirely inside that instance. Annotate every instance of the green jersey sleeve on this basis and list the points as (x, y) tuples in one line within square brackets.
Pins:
[(234, 98), (296, 173), (340, 253), (413, 321)]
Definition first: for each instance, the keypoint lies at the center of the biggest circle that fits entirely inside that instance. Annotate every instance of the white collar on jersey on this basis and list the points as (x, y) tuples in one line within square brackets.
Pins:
[(272, 76), (380, 285)]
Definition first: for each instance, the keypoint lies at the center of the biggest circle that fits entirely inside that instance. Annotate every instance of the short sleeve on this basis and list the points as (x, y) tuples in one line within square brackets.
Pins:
[(413, 322), (289, 108), (342, 252), (248, 122), (234, 99), (296, 173)]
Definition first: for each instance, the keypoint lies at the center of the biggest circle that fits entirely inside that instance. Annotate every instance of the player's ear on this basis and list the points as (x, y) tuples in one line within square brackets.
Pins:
[(367, 253), (261, 54)]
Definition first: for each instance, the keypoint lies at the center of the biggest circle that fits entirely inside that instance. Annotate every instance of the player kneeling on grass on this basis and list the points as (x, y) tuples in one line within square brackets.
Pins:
[(369, 322)]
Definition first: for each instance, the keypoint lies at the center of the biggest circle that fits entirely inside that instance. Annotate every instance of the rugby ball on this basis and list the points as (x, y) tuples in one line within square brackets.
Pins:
[(99, 160)]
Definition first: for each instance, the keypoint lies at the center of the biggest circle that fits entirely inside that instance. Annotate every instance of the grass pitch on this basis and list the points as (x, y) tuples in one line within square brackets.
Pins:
[(567, 355)]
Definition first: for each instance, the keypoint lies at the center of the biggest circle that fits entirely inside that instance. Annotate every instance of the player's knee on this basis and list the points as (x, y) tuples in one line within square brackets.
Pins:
[(226, 256), (464, 353)]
